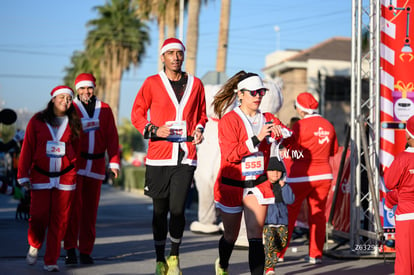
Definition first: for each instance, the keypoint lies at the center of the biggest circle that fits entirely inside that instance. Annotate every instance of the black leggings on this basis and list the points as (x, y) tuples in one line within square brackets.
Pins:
[(180, 183)]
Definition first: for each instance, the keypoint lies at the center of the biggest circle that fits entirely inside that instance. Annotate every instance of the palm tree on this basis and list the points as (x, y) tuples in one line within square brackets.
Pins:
[(223, 36), (130, 139), (192, 36), (82, 63), (153, 10), (119, 38), (166, 12)]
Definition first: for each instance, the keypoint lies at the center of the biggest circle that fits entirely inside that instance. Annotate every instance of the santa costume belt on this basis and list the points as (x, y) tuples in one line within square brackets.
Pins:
[(244, 183), (189, 139), (92, 156), (54, 174)]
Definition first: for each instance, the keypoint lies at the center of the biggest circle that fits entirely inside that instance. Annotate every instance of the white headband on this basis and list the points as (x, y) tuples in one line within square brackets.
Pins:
[(251, 83)]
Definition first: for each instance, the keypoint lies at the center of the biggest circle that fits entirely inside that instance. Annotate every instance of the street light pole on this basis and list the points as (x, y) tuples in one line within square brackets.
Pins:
[(277, 30)]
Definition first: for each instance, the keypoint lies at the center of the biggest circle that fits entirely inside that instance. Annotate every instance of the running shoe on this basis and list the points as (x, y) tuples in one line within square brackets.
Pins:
[(31, 256), (161, 268), (71, 258), (219, 270), (313, 260), (51, 268), (173, 266)]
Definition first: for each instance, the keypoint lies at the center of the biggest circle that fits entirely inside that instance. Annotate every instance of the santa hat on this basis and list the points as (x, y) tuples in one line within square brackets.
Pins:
[(410, 126), (307, 103), (85, 80), (172, 43), (61, 90)]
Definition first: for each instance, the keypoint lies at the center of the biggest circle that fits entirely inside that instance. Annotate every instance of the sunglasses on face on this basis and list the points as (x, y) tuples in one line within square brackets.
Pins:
[(260, 92)]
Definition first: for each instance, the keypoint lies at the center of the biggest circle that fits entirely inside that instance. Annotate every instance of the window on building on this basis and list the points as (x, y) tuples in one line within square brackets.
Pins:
[(338, 88)]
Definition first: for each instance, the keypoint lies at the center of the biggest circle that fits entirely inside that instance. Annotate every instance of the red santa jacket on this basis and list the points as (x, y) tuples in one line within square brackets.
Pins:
[(36, 161), (312, 143), (99, 136), (399, 178), (157, 95), (235, 138)]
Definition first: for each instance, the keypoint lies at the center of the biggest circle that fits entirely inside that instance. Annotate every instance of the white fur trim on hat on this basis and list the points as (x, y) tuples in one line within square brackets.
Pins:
[(307, 110), (62, 91), (84, 83), (409, 128), (171, 46), (251, 83)]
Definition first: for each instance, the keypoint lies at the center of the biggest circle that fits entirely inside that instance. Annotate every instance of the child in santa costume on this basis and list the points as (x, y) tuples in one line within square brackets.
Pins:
[(399, 179), (47, 167)]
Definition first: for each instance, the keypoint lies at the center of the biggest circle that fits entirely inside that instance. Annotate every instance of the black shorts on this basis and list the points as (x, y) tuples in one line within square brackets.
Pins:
[(168, 181)]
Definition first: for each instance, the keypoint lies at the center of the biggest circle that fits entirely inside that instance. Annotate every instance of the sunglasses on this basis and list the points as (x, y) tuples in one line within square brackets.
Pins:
[(260, 92)]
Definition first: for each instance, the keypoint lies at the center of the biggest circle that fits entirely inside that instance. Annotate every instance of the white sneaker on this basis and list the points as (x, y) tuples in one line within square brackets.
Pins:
[(31, 256), (51, 268), (199, 227), (313, 260)]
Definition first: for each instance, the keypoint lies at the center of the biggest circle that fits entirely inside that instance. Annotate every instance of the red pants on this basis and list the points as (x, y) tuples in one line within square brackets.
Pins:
[(49, 210), (404, 248), (82, 222), (316, 193)]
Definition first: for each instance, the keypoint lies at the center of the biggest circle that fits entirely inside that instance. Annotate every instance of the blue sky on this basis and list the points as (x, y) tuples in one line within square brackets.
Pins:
[(38, 39)]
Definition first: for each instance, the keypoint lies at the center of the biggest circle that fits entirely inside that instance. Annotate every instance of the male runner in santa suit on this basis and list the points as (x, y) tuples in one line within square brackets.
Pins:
[(99, 136), (177, 117), (312, 144)]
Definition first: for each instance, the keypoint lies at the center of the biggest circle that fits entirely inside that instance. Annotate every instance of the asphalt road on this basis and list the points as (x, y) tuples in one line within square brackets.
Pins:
[(124, 245)]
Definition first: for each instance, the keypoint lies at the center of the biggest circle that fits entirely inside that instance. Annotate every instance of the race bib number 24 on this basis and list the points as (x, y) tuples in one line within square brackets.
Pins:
[(55, 149)]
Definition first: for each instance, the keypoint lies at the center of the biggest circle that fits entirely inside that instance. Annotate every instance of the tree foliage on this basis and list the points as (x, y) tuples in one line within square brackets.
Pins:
[(130, 139)]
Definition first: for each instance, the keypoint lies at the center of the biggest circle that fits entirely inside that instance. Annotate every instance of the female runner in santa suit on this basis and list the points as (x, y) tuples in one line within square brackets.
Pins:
[(245, 136), (47, 168)]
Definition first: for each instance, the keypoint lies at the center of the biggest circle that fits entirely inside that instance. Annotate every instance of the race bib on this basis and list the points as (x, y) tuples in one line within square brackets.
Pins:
[(55, 149), (178, 131), (90, 124), (253, 165)]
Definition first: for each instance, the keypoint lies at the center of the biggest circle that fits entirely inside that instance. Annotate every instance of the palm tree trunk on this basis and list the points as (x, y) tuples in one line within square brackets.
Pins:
[(223, 36), (115, 93), (171, 17), (192, 36), (161, 38)]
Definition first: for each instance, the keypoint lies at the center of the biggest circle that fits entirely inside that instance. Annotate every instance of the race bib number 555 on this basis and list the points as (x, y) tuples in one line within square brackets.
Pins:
[(253, 165)]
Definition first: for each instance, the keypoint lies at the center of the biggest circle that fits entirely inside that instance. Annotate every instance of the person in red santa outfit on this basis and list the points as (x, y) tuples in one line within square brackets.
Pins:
[(245, 137), (399, 179), (177, 117), (99, 136), (47, 167), (313, 142)]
